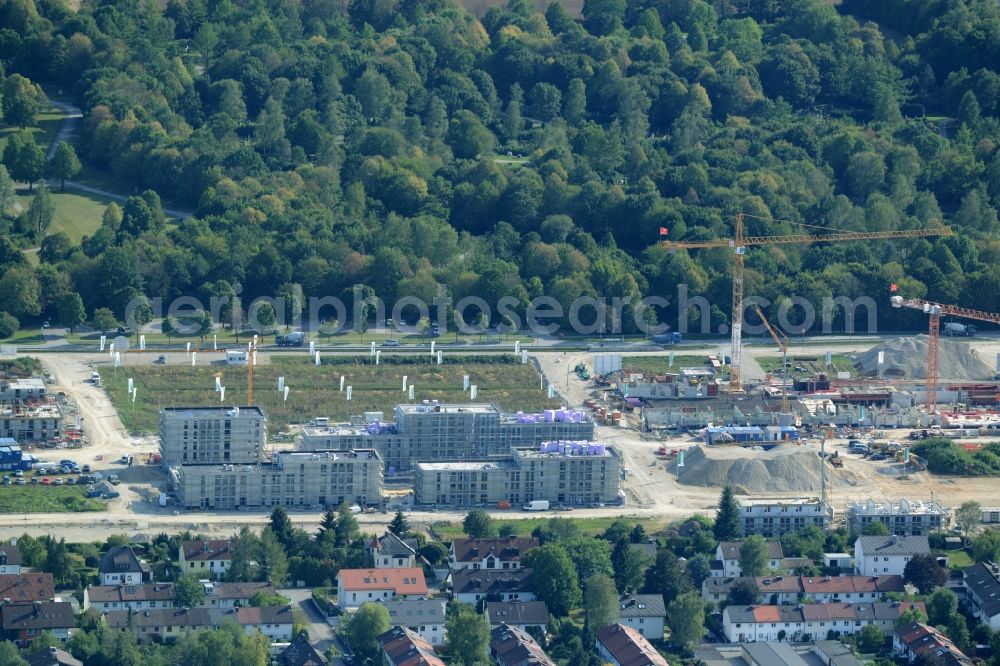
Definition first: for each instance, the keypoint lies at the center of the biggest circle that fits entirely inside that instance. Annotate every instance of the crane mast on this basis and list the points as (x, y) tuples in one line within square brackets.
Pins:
[(739, 242), (934, 312), (782, 343)]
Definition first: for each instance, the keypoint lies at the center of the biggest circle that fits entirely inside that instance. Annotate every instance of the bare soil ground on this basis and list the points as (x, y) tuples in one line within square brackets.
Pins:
[(650, 488)]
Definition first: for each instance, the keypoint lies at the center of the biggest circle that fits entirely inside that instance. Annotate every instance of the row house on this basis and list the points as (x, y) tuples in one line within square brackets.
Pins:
[(745, 624), (168, 624), (784, 590)]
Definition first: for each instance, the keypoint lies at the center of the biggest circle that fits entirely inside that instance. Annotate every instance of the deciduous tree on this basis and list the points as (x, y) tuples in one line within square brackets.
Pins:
[(554, 578), (600, 601), (753, 556), (686, 618), (468, 635), (65, 164), (924, 572), (478, 524), (363, 628)]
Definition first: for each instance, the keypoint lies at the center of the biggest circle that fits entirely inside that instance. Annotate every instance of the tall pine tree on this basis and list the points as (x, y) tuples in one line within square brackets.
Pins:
[(727, 520)]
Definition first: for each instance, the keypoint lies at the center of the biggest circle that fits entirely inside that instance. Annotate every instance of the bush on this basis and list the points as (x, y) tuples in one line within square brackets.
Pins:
[(8, 325)]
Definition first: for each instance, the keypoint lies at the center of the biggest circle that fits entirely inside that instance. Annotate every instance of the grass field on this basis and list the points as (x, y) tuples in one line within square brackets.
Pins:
[(659, 365), (46, 499), (45, 130), (447, 531), (78, 214), (32, 335), (957, 559), (315, 391)]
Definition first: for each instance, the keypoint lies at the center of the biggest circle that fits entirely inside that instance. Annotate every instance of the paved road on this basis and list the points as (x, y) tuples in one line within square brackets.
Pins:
[(69, 126), (320, 633)]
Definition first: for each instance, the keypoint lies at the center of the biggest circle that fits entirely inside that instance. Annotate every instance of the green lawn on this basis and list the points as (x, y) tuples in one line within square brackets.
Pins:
[(45, 130), (26, 336), (447, 531), (315, 391), (957, 559), (46, 499), (78, 214)]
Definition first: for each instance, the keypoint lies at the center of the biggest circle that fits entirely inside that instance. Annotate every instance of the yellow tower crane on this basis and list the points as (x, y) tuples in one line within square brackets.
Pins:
[(782, 343), (934, 312), (739, 243)]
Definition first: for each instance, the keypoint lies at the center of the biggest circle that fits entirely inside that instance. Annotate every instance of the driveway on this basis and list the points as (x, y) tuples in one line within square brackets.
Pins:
[(320, 633)]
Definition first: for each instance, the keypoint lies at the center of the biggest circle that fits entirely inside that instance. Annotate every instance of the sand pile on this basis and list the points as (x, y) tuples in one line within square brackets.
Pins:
[(907, 357), (785, 468)]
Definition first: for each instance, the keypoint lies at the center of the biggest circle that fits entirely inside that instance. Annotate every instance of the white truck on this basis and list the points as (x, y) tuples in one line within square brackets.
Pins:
[(954, 328), (95, 378), (536, 505)]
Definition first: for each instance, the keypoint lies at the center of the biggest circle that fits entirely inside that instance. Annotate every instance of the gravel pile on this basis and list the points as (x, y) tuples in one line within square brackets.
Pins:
[(785, 468), (907, 357)]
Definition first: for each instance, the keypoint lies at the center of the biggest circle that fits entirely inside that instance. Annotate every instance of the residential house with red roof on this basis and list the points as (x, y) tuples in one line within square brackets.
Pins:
[(919, 641), (744, 624), (782, 590), (620, 645), (358, 586), (403, 647), (510, 646), (489, 554), (206, 558), (24, 622), (26, 587)]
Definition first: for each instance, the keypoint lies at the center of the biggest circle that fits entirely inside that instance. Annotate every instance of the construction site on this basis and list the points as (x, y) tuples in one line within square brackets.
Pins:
[(832, 422)]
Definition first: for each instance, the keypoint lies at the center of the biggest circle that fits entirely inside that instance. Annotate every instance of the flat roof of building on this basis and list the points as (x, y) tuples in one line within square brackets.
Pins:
[(903, 506), (303, 456), (535, 453), (338, 429), (295, 456), (472, 466), (466, 408), (25, 382), (776, 501), (252, 409)]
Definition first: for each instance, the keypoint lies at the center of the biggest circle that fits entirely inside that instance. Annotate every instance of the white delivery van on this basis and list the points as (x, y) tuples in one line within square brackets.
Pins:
[(536, 505)]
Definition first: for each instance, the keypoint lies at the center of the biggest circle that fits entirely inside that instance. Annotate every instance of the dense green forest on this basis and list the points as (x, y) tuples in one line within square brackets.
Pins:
[(410, 147)]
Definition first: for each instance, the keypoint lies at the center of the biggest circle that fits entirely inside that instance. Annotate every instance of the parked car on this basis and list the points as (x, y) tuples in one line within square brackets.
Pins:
[(6, 481), (71, 481), (21, 482), (46, 481), (19, 474), (86, 469), (57, 482), (34, 481)]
